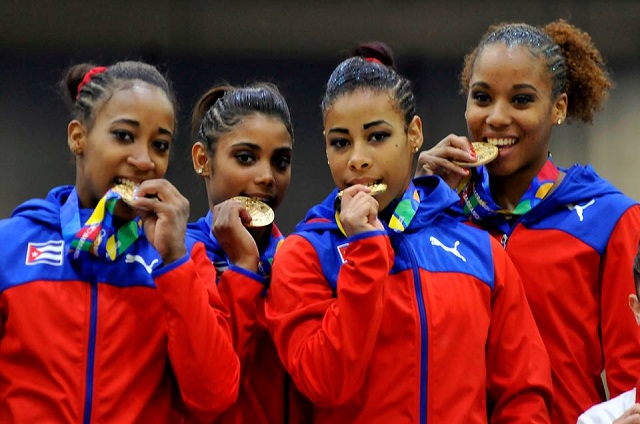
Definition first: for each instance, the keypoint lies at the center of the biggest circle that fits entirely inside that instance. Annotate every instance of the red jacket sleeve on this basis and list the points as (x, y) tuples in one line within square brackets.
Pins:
[(519, 381), (620, 333), (199, 341), (241, 294), (325, 342)]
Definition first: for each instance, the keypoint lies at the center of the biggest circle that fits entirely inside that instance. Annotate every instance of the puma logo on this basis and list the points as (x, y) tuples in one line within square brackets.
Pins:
[(136, 258), (580, 208), (453, 250)]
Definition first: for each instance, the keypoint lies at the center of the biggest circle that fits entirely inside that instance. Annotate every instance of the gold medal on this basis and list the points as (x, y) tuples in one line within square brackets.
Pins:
[(375, 189), (261, 214), (486, 153), (127, 191)]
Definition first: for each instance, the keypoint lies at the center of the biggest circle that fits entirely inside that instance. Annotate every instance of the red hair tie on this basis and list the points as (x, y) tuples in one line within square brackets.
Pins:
[(373, 59), (88, 76)]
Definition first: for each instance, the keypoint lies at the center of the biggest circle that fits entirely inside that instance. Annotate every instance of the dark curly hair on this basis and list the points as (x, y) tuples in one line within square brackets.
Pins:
[(574, 64)]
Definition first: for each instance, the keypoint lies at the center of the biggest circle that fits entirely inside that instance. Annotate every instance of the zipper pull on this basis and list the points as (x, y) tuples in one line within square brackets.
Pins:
[(503, 241)]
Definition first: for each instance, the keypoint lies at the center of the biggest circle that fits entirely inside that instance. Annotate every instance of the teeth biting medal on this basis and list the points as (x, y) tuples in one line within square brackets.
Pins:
[(375, 189), (261, 214), (486, 153), (127, 191)]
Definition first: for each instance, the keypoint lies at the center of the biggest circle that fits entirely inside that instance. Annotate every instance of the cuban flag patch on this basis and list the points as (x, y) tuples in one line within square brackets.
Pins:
[(342, 251), (50, 253)]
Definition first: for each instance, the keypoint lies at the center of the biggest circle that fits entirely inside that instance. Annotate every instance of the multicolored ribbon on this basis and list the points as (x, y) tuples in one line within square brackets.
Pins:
[(98, 236), (476, 194), (404, 211)]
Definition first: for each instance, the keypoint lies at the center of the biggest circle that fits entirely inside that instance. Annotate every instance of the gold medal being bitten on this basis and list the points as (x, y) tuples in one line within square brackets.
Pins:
[(486, 153), (375, 189), (127, 191), (261, 214)]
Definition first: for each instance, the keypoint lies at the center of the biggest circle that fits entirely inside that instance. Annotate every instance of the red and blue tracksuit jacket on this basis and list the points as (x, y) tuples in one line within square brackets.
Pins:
[(267, 395), (111, 342), (427, 325), (575, 253)]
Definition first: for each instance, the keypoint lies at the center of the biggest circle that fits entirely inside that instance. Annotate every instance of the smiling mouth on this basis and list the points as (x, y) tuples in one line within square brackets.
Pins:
[(501, 142)]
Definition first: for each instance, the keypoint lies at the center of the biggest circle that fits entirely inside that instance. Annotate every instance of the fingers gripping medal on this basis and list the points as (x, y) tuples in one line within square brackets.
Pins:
[(261, 214), (486, 153)]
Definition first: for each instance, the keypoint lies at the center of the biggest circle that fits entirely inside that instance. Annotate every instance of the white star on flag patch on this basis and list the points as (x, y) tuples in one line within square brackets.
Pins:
[(50, 253)]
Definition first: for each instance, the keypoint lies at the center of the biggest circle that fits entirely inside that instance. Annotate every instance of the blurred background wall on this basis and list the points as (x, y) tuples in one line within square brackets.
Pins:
[(294, 44)]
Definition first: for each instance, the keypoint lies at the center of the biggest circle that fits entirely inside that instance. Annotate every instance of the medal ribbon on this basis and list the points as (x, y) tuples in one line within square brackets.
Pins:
[(98, 236), (403, 213), (476, 195)]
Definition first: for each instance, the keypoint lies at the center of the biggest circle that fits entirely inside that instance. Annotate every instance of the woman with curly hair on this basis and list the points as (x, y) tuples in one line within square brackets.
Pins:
[(571, 234)]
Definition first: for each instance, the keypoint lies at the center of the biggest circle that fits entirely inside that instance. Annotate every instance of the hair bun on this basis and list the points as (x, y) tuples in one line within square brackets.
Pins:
[(376, 51)]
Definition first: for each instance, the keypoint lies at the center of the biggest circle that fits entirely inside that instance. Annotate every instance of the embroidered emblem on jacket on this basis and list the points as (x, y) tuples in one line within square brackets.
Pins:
[(50, 253), (139, 259), (580, 208), (453, 250)]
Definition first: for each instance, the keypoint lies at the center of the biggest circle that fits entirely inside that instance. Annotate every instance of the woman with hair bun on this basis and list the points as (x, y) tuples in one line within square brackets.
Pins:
[(242, 150), (106, 316), (385, 306), (571, 234)]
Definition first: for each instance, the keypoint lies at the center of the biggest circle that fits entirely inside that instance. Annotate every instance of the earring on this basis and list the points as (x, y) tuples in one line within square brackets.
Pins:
[(416, 150), (200, 171), (559, 121)]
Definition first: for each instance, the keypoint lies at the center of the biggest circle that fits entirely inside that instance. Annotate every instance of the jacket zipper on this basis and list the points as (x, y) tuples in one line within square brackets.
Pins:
[(88, 395), (423, 330)]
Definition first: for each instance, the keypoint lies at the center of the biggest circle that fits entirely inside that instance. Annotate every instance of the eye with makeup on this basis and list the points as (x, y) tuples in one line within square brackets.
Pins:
[(338, 143), (481, 97), (245, 157), (122, 136), (281, 161), (379, 136), (523, 99), (162, 146)]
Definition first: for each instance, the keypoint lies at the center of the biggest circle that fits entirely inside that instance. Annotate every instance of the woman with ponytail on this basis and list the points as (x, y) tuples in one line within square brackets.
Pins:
[(571, 234), (242, 150), (106, 316), (384, 305)]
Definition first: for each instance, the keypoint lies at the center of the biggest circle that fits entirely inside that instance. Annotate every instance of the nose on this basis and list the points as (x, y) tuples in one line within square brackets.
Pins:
[(264, 175), (359, 158), (499, 115), (140, 157)]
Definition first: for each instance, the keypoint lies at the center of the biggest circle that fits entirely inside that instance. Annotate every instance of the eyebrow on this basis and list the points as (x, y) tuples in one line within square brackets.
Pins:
[(136, 124), (374, 123), (254, 146), (515, 87), (364, 126), (339, 130), (523, 86)]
